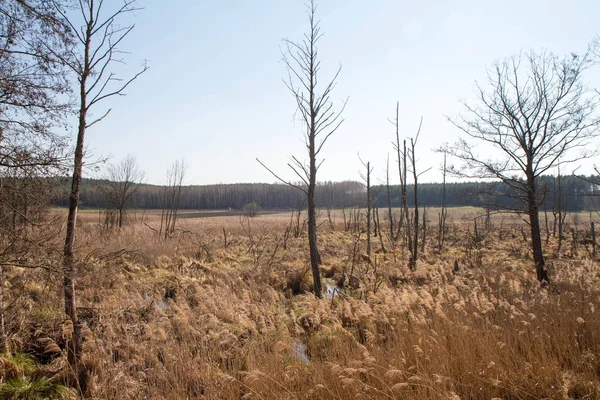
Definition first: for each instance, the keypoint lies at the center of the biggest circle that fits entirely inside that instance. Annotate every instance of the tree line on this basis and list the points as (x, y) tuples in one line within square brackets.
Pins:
[(578, 194)]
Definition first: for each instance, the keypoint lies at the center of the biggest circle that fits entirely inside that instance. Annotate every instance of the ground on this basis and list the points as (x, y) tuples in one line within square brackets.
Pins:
[(223, 310)]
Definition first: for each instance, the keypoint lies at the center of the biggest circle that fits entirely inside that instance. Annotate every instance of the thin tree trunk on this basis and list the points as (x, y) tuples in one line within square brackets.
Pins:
[(74, 348), (389, 200), (379, 231), (415, 244), (593, 239), (536, 240), (409, 239), (424, 239), (3, 338), (368, 210), (312, 242)]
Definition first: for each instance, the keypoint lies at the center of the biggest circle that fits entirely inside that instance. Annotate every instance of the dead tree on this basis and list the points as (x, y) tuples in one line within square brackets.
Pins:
[(171, 199), (98, 34), (443, 214), (378, 230), (389, 201), (559, 212), (123, 183), (320, 120), (366, 177), (536, 112), (412, 156), (424, 238), (402, 169)]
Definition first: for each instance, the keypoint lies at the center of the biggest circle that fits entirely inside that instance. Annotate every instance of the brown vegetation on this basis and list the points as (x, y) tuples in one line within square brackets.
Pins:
[(223, 310)]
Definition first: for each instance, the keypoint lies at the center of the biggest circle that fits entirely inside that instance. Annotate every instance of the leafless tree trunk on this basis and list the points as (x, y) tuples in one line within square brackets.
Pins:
[(33, 100), (389, 200), (3, 338), (381, 243), (443, 215), (98, 38), (424, 238), (319, 117), (367, 179), (537, 112), (413, 160), (402, 169), (593, 234)]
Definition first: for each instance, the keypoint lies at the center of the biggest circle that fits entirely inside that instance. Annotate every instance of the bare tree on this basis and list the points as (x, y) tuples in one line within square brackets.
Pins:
[(33, 101), (320, 120), (412, 156), (26, 233), (366, 177), (171, 200), (393, 236), (536, 111), (98, 33), (402, 168), (406, 154), (33, 82), (443, 214), (123, 184)]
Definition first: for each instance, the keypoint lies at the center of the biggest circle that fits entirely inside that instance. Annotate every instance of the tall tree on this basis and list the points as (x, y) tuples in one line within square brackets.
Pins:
[(366, 177), (122, 186), (98, 31), (33, 86), (320, 120), (536, 113)]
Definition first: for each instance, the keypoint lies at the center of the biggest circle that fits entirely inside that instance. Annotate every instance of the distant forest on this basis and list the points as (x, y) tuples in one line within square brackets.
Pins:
[(578, 194)]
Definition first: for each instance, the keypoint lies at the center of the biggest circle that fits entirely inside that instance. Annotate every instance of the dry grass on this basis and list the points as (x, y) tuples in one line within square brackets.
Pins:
[(193, 318)]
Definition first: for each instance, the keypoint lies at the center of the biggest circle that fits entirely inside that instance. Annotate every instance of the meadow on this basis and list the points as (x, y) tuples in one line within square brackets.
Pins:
[(224, 310)]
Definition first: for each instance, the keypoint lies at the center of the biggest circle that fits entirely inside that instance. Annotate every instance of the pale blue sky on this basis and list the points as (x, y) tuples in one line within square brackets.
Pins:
[(214, 93)]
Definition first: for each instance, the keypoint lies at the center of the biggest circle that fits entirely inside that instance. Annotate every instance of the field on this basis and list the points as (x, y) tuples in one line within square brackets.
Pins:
[(223, 310)]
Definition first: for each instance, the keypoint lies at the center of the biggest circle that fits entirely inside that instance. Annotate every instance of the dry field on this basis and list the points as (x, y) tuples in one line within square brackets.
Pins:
[(223, 310)]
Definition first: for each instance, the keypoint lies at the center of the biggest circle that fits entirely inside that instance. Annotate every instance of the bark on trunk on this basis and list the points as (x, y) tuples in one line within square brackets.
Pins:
[(74, 346), (3, 339), (312, 243), (536, 241)]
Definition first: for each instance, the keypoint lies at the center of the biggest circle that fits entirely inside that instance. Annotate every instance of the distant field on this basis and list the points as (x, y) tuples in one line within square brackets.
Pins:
[(456, 214)]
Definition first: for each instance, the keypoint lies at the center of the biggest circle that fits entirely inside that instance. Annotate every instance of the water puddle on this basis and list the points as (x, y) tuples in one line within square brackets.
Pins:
[(300, 352), (331, 289), (162, 305)]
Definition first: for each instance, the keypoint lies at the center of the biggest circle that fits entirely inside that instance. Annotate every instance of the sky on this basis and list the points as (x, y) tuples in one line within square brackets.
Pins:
[(214, 93)]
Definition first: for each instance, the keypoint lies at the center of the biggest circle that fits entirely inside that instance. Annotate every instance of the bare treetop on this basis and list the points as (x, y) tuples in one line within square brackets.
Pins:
[(536, 110), (313, 101), (100, 35), (33, 85)]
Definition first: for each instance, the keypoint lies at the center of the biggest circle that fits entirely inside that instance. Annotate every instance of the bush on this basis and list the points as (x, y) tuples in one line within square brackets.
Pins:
[(251, 209)]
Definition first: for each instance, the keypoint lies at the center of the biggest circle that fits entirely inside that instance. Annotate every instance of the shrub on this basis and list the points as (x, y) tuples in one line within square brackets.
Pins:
[(251, 209)]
